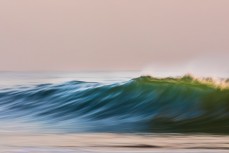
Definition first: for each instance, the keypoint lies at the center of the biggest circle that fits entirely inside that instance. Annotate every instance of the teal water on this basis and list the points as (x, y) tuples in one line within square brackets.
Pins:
[(112, 102)]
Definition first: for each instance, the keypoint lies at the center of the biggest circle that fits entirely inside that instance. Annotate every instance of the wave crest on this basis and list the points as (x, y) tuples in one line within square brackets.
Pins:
[(189, 79)]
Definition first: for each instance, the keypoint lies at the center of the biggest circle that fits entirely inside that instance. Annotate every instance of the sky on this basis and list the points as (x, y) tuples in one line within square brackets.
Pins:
[(91, 35)]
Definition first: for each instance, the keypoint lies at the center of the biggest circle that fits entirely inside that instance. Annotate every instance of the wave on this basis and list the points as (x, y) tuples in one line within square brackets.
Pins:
[(143, 104)]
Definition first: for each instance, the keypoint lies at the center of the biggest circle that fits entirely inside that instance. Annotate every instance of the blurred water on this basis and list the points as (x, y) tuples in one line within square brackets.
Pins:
[(112, 143), (112, 112), (116, 101)]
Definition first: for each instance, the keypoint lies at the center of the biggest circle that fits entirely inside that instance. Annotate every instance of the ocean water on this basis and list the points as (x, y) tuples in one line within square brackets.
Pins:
[(112, 102)]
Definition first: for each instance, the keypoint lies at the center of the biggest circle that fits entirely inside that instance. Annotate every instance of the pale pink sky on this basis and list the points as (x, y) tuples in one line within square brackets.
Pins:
[(71, 35)]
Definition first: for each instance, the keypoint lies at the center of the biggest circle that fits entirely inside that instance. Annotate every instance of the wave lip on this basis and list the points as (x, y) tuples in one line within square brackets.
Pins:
[(143, 104)]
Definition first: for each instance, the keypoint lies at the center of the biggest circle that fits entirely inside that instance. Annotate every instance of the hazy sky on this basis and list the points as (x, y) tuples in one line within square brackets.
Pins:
[(71, 35)]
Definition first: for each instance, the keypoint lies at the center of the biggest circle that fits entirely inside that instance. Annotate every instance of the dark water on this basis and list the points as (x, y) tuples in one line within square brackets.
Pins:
[(138, 104)]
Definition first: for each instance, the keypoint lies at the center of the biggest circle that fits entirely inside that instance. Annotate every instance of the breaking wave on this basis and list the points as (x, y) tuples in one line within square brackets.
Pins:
[(143, 104)]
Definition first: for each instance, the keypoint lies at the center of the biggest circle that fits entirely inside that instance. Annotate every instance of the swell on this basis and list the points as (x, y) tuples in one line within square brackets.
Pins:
[(143, 104)]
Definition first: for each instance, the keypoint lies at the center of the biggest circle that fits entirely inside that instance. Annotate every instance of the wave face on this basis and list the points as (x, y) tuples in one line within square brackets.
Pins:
[(143, 104)]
